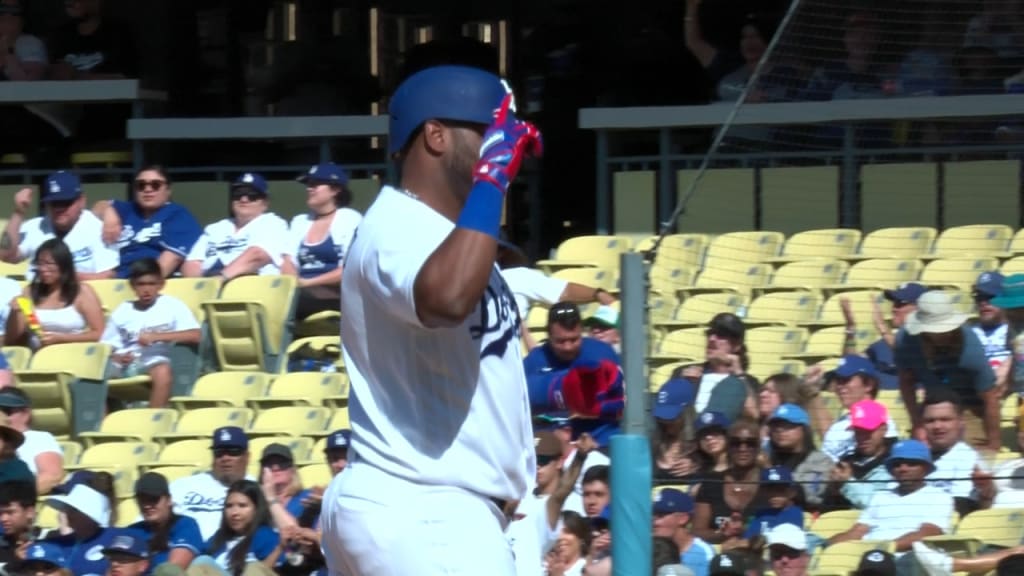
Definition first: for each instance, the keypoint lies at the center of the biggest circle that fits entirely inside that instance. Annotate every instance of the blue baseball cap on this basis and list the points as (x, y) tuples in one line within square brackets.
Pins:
[(989, 284), (129, 543), (670, 501), (326, 173), (907, 292), (252, 180), (673, 397), (230, 437), (708, 419), (339, 439), (851, 365), (442, 93), (791, 413), (910, 450), (777, 475), (42, 552), (62, 186)]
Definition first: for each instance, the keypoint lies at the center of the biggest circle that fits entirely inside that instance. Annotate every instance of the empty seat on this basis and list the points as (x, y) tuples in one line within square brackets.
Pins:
[(139, 424), (606, 278), (728, 276), (194, 452), (882, 273), (223, 389), (806, 275), (289, 421), (201, 422), (973, 240), (193, 292), (65, 385), (775, 341), (699, 309), (18, 357), (862, 303), (956, 273), (251, 322), (826, 243), (783, 308), (596, 251), (684, 344), (745, 247), (901, 242), (677, 250), (302, 389), (116, 455)]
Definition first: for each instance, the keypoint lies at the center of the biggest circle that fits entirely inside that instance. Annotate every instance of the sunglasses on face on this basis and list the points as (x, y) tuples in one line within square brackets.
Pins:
[(980, 297), (142, 185), (544, 460), (234, 452), (60, 204), (901, 304), (780, 552), (8, 410), (278, 464), (246, 194), (743, 442)]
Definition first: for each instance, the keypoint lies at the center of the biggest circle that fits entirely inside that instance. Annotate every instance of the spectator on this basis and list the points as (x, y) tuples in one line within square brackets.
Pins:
[(336, 450), (6, 374), (599, 557), (245, 535), (927, 70), (9, 290), (561, 427), (954, 460), (672, 512), (718, 518), (201, 495), (857, 74), (978, 71), (997, 27), (1011, 301), (569, 555), (724, 385), (128, 555), (860, 473), (64, 309), (17, 518), (142, 331), (596, 490), (787, 549), (282, 488), (881, 352), (604, 326), (712, 443), (1003, 487), (41, 558), (88, 517), (11, 467), (151, 225), (779, 493), (735, 563), (673, 457), (876, 563), (854, 380), (991, 327), (581, 375), (791, 447), (65, 218), (912, 510), (779, 389), (1007, 561), (102, 482), (940, 350), (665, 555), (172, 538), (320, 238), (40, 450), (251, 241)]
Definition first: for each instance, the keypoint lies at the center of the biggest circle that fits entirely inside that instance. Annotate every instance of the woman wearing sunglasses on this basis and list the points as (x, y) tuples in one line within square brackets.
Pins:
[(725, 501), (150, 225)]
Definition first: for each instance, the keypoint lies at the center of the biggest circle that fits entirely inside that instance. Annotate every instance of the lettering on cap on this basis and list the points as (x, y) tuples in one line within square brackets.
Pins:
[(875, 557), (663, 396)]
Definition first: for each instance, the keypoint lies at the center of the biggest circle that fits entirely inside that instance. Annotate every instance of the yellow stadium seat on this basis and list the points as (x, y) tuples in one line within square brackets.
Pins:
[(65, 384), (325, 323), (745, 247), (250, 322), (116, 455), (16, 271), (326, 346), (339, 421), (680, 345), (861, 305), (596, 251), (606, 278), (677, 250), (194, 453), (139, 424), (315, 475), (301, 389), (108, 158), (962, 300), (112, 292), (1014, 265), (223, 389), (728, 276), (905, 242), (830, 341), (698, 310), (831, 523), (775, 341), (992, 527), (47, 517), (956, 273), (972, 240), (881, 273), (537, 318), (783, 308), (826, 243), (18, 357), (844, 557), (805, 275), (72, 451), (660, 308), (173, 473), (193, 292), (666, 280), (127, 512), (1010, 409), (658, 375), (1016, 247), (289, 421), (201, 422), (763, 369)]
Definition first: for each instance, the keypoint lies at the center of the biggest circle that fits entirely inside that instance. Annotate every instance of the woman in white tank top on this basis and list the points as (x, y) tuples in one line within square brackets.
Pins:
[(67, 310)]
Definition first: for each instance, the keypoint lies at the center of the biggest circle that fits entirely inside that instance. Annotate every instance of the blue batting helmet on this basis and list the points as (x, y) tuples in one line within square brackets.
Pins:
[(442, 93)]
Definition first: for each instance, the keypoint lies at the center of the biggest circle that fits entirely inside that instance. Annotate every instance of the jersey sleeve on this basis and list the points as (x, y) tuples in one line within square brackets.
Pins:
[(264, 542), (184, 319), (105, 256), (45, 442), (180, 232), (185, 534), (198, 251), (390, 270), (534, 285)]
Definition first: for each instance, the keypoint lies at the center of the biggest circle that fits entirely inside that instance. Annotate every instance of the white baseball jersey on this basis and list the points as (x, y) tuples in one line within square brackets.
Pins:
[(167, 314), (202, 497), (994, 342), (530, 285), (84, 240), (221, 243), (435, 406), (959, 462)]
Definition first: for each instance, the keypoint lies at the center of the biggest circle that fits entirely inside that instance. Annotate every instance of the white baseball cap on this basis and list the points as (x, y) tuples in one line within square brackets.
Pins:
[(87, 501), (788, 535)]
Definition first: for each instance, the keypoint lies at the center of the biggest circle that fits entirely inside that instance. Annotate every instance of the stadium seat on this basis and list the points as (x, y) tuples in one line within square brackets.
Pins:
[(324, 323), (962, 301), (687, 344), (905, 242), (327, 346), (666, 281), (775, 341), (139, 424), (972, 240), (844, 557), (112, 292), (18, 357), (201, 422), (827, 243), (1014, 265), (17, 271), (127, 512), (193, 292), (992, 527), (783, 308), (194, 453), (251, 322), (47, 517), (659, 307), (831, 523), (698, 310), (116, 455), (881, 273), (606, 278), (830, 341), (107, 158), (745, 247), (339, 421), (223, 389), (302, 389), (677, 250), (861, 304), (289, 421), (66, 385), (72, 451), (728, 276), (658, 375), (805, 275), (173, 473), (596, 251), (315, 475), (763, 369), (1016, 246), (956, 273)]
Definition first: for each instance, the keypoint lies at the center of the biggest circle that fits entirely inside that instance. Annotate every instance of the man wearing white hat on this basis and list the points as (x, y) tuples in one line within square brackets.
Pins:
[(787, 548), (940, 351)]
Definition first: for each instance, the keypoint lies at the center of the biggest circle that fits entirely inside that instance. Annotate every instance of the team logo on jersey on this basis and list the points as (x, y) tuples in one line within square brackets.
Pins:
[(497, 315), (37, 552), (95, 554)]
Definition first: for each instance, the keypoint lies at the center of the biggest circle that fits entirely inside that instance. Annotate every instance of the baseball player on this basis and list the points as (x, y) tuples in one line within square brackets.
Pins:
[(442, 445)]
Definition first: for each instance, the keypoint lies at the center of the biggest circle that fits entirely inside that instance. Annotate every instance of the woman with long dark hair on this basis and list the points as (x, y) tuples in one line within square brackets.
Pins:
[(173, 539), (245, 534), (61, 308), (791, 444)]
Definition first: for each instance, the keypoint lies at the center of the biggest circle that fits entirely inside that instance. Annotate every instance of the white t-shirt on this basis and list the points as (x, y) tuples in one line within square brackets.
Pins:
[(890, 515), (307, 258), (221, 244), (529, 285), (167, 314), (707, 385), (437, 406), (958, 462), (594, 458), (37, 442), (838, 440), (9, 290), (994, 343), (202, 497), (531, 535), (84, 240)]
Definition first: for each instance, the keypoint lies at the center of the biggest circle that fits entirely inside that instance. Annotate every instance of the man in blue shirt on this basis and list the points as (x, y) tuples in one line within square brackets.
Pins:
[(672, 510), (938, 350)]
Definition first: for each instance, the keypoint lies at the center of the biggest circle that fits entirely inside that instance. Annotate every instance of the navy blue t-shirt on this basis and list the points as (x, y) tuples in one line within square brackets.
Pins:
[(184, 534), (969, 373), (86, 558), (172, 228)]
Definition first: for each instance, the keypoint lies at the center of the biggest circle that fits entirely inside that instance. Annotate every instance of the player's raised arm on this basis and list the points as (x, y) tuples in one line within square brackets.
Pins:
[(454, 277)]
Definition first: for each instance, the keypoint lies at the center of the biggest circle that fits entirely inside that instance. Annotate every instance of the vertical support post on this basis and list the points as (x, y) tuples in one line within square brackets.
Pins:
[(666, 180), (137, 146), (604, 219), (630, 450), (849, 204), (325, 150)]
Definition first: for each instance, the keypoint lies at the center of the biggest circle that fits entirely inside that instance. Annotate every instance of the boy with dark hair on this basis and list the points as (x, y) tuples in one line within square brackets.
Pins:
[(17, 518)]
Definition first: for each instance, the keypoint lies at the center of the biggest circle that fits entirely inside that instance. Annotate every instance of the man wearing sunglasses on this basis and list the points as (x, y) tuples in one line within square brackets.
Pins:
[(880, 352), (787, 549), (202, 495), (991, 327), (64, 216)]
